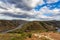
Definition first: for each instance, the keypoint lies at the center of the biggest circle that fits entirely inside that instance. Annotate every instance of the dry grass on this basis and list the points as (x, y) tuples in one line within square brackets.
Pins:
[(11, 37)]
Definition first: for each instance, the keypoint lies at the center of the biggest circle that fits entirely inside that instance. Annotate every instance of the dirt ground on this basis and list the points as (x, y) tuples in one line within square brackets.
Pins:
[(45, 36)]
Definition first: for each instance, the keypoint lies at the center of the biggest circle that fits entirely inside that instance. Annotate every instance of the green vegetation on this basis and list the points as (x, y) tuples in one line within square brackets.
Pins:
[(12, 36), (15, 36)]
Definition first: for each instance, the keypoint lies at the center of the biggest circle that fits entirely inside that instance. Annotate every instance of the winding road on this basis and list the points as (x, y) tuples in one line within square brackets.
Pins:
[(18, 27)]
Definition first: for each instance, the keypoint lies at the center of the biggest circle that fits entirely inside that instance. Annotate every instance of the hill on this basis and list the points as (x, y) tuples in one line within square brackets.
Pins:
[(6, 25)]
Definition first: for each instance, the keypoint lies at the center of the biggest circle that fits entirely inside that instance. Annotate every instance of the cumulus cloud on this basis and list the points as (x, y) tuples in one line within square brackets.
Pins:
[(24, 10)]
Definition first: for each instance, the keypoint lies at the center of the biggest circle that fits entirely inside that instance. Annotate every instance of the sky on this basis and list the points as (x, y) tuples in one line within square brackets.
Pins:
[(30, 10)]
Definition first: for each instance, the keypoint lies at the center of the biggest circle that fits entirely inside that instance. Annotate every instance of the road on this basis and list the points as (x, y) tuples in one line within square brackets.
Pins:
[(21, 24)]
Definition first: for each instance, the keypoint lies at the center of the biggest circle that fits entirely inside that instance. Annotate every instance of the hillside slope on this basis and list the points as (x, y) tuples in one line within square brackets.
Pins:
[(6, 25)]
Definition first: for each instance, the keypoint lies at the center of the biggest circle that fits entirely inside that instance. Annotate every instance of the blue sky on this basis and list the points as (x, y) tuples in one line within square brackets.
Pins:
[(29, 10), (50, 6)]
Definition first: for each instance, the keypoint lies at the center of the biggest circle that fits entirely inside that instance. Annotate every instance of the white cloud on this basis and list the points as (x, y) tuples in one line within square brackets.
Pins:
[(31, 15), (31, 3)]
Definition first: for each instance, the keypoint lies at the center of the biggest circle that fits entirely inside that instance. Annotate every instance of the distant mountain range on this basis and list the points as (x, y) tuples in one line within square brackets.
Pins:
[(6, 25)]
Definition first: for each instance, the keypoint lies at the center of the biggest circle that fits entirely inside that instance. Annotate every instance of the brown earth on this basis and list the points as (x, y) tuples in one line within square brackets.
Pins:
[(50, 36)]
